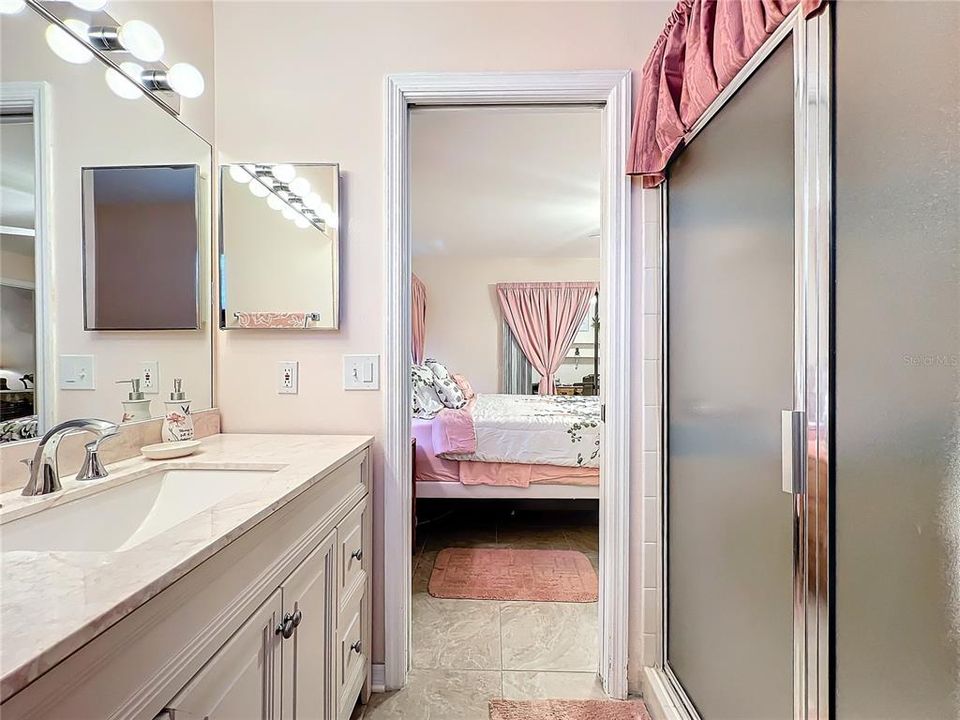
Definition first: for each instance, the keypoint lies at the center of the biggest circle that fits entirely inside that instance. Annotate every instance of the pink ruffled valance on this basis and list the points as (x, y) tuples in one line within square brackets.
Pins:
[(703, 46)]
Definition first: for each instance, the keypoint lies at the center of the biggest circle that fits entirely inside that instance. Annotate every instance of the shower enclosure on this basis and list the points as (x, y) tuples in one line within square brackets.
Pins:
[(811, 498)]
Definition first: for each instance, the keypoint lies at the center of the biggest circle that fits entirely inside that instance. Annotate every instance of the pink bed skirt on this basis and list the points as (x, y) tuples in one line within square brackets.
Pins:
[(431, 468)]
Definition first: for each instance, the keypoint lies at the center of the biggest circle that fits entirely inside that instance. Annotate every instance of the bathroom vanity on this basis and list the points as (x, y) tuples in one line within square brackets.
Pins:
[(231, 584)]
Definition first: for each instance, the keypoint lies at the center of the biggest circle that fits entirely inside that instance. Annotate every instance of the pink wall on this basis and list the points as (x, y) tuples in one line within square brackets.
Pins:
[(339, 53)]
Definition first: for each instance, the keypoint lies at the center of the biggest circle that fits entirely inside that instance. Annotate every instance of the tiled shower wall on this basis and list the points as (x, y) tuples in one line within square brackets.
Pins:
[(650, 469)]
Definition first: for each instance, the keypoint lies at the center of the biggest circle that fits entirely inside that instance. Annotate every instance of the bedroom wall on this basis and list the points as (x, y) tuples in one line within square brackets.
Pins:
[(341, 52), (463, 313)]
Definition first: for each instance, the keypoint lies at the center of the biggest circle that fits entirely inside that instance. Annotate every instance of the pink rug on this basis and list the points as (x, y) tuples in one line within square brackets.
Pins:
[(568, 710), (507, 574)]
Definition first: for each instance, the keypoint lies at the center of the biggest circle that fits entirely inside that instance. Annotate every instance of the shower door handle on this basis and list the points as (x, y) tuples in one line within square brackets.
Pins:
[(793, 425)]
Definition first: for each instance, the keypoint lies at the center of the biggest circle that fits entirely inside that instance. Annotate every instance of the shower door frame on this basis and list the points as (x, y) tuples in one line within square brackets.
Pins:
[(813, 372)]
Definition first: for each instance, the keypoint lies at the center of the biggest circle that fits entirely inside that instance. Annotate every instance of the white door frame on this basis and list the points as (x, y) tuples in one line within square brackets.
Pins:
[(33, 97), (611, 90)]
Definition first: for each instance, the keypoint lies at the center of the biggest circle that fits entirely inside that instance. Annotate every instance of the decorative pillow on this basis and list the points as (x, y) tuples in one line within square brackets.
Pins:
[(464, 385), (450, 393), (425, 403), (438, 368)]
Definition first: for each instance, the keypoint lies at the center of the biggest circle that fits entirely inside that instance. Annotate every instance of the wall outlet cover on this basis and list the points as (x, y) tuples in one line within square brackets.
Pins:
[(288, 377), (150, 377)]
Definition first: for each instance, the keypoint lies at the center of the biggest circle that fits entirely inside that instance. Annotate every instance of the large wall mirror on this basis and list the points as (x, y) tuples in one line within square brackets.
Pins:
[(105, 237), (279, 246)]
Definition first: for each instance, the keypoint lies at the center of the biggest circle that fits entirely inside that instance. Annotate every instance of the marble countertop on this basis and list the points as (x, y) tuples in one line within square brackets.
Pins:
[(54, 602)]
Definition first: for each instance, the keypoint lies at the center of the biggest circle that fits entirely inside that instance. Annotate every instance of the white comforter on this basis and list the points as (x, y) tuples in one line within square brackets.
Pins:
[(536, 430)]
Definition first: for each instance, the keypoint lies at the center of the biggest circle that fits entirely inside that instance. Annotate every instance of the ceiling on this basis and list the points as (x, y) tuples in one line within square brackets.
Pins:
[(506, 181)]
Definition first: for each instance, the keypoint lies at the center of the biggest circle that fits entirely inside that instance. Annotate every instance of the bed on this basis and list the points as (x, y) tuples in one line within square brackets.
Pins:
[(511, 446)]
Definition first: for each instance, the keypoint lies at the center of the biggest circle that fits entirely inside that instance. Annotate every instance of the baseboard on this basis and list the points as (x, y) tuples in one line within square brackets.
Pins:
[(658, 697), (378, 678)]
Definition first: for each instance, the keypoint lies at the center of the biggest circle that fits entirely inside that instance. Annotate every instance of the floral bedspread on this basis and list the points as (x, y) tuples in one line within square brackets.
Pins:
[(536, 430)]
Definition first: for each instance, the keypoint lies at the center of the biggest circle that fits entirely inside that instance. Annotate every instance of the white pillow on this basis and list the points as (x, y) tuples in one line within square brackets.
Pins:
[(425, 403), (438, 368), (450, 393)]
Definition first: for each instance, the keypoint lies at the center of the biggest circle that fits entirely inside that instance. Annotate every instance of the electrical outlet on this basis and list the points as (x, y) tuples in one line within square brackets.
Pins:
[(288, 379), (150, 377)]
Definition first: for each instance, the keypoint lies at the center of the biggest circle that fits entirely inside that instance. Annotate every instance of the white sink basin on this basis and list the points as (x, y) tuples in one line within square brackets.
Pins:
[(121, 517)]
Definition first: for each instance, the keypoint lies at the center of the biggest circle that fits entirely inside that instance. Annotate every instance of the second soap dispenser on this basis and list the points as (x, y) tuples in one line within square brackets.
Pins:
[(135, 407), (177, 422)]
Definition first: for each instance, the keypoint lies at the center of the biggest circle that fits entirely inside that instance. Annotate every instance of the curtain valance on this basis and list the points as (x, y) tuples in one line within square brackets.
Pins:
[(703, 46)]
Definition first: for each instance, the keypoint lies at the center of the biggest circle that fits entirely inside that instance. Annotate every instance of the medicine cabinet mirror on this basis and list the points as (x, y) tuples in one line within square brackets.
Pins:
[(279, 246)]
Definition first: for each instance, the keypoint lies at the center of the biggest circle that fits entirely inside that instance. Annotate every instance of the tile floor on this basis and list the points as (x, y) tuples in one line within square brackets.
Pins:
[(466, 652)]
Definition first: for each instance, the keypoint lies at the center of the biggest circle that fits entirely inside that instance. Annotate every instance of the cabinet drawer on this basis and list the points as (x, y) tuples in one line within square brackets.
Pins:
[(352, 655), (353, 553)]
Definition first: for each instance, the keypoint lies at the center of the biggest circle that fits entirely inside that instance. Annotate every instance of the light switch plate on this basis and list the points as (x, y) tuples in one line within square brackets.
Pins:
[(76, 372), (361, 372), (288, 377), (150, 377)]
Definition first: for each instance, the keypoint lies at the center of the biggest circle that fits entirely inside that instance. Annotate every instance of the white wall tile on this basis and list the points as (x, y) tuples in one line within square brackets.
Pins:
[(652, 242), (650, 649), (651, 519), (650, 555), (651, 291), (651, 337), (651, 205), (651, 611), (651, 474), (651, 382), (651, 428)]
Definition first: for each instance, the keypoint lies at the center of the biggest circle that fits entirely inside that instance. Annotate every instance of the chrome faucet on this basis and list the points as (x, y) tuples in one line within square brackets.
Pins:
[(44, 473)]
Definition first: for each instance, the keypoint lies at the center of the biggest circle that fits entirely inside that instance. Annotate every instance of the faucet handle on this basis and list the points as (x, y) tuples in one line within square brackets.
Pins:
[(29, 463), (92, 468)]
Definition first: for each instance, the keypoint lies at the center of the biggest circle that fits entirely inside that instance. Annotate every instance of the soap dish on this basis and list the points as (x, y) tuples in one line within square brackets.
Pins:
[(169, 450)]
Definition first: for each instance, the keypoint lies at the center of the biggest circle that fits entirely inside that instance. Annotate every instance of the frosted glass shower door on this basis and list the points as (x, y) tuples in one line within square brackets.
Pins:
[(730, 365)]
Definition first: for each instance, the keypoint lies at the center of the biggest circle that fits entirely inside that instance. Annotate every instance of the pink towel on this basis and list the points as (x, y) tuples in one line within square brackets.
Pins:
[(453, 432)]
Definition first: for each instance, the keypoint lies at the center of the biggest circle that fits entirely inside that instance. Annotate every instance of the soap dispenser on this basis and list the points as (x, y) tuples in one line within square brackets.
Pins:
[(135, 407), (177, 422)]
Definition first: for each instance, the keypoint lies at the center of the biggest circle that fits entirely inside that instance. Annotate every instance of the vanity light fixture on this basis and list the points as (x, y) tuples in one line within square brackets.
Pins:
[(65, 46), (124, 84), (137, 37), (11, 7), (239, 174)]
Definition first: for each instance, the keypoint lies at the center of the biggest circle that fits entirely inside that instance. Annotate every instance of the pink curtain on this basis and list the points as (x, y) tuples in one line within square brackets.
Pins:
[(418, 312), (703, 46), (544, 318)]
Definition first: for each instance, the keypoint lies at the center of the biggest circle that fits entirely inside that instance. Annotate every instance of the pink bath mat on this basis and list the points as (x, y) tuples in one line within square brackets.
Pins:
[(567, 710), (507, 574)]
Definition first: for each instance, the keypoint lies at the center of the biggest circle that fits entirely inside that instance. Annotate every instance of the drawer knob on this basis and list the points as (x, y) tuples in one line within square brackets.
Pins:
[(289, 624), (356, 647), (357, 554)]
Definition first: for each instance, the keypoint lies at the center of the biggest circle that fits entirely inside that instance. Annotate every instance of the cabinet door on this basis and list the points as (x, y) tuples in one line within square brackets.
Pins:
[(241, 681), (308, 669)]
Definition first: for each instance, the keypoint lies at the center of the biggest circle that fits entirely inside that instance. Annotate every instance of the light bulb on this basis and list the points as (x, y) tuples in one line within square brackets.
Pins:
[(185, 80), (142, 40), (124, 84), (301, 186), (65, 46), (89, 5), (313, 200), (238, 174), (275, 203), (258, 189), (301, 222), (284, 172), (288, 212), (11, 7)]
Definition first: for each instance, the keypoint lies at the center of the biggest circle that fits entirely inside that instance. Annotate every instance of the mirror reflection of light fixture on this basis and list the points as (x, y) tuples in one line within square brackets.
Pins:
[(284, 172), (239, 174), (183, 79), (275, 202), (139, 38), (124, 84), (11, 7), (65, 46), (303, 209), (258, 189), (89, 5), (301, 222)]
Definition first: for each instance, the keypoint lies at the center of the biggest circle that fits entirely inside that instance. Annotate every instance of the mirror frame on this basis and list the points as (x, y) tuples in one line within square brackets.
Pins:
[(335, 270)]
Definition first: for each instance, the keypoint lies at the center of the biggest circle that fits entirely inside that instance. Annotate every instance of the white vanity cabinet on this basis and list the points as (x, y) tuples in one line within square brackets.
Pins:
[(276, 625)]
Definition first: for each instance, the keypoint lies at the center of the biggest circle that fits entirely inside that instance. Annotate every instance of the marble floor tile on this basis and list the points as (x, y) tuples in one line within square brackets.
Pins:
[(549, 636), (585, 538), (455, 634), (438, 695), (552, 686), (423, 570)]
